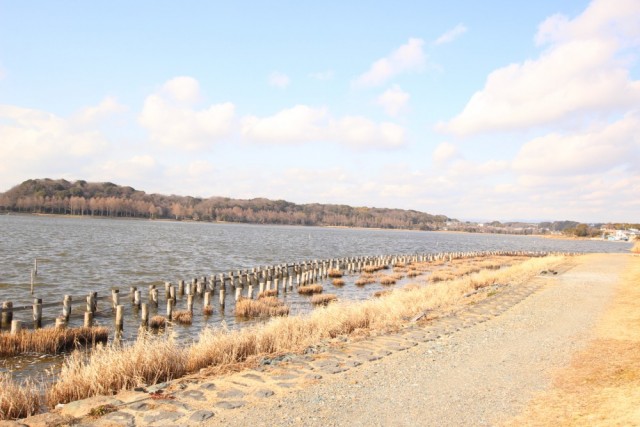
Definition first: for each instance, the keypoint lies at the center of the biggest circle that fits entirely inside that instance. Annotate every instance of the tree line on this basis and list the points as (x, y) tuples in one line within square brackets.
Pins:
[(105, 199)]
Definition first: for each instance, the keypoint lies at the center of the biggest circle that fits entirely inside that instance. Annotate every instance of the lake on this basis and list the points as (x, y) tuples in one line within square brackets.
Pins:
[(80, 255)]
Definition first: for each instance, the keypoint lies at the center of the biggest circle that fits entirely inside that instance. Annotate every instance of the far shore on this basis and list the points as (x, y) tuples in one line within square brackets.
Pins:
[(546, 236)]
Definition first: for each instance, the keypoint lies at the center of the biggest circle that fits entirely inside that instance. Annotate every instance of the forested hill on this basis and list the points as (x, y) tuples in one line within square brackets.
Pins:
[(111, 200)]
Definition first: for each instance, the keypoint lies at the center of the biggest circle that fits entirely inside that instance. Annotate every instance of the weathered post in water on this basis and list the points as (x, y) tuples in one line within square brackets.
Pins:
[(16, 327), (144, 315), (66, 308), (190, 303), (119, 318), (170, 302), (115, 298), (88, 319), (7, 314), (37, 313)]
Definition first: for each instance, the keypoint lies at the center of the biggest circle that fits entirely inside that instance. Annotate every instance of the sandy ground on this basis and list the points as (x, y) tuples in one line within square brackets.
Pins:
[(480, 375)]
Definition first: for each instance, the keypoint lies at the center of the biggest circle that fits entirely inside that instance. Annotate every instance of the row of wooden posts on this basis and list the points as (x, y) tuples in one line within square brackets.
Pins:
[(279, 278)]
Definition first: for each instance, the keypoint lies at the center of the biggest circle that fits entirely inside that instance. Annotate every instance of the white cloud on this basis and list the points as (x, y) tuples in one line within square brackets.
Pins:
[(394, 100), (594, 151), (445, 153), (294, 125), (106, 108), (322, 75), (172, 123), (37, 143), (279, 80), (578, 75), (451, 35), (301, 124), (409, 57), (183, 89)]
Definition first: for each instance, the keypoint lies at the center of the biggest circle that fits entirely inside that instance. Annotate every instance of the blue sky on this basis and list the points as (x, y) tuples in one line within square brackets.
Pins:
[(494, 110)]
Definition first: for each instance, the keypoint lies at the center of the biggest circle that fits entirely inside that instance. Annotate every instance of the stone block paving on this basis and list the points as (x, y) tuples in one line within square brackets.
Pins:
[(194, 401)]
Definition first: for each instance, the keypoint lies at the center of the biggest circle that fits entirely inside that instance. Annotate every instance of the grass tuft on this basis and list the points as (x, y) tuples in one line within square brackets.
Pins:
[(263, 307), (310, 289), (334, 273), (157, 322), (208, 310), (323, 299), (51, 340), (337, 282), (17, 400), (183, 317), (268, 293)]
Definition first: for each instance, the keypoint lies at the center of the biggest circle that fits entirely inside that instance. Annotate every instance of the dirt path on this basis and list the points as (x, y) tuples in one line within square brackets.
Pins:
[(479, 367), (479, 375)]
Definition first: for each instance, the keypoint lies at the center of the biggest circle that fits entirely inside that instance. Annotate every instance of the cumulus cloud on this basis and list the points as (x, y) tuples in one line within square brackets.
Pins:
[(37, 143), (302, 124), (445, 153), (409, 57), (279, 80), (592, 151), (580, 73), (107, 107), (451, 35), (172, 121), (394, 100)]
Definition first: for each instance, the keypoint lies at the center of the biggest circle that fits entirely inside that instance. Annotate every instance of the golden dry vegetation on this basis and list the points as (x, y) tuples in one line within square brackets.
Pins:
[(50, 340), (602, 384)]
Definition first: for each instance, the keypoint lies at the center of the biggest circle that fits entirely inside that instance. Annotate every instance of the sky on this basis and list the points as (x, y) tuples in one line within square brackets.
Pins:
[(493, 110)]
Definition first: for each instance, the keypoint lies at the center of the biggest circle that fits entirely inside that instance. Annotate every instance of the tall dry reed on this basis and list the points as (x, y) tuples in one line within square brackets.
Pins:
[(17, 400), (111, 368), (51, 340)]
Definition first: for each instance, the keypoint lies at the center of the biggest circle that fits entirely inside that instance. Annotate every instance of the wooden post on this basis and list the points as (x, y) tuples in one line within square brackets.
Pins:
[(238, 293), (190, 303), (7, 315), (180, 288), (250, 292), (170, 308), (222, 296), (136, 299), (32, 280), (115, 298), (35, 266), (132, 293), (37, 313), (153, 296), (66, 308), (60, 323), (172, 293), (207, 299), (94, 302), (16, 327), (144, 315), (167, 285), (119, 318), (88, 319)]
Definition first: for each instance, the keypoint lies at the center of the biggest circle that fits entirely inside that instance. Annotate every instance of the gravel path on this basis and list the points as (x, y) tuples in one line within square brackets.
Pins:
[(481, 374)]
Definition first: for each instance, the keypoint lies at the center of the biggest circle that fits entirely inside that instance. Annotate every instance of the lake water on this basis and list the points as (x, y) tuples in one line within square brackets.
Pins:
[(80, 255)]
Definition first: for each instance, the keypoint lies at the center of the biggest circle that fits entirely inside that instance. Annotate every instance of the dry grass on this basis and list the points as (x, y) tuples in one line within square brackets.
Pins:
[(441, 276), (365, 279), (378, 294), (263, 307), (310, 289), (268, 293), (109, 369), (602, 384), (323, 299), (373, 268), (207, 310), (157, 322), (636, 247), (183, 317), (51, 340), (388, 280), (337, 282), (334, 273), (17, 400)]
